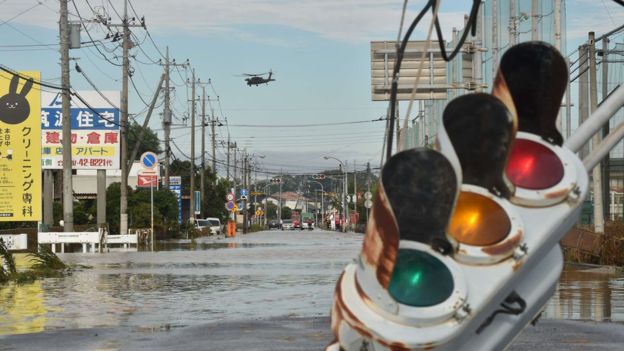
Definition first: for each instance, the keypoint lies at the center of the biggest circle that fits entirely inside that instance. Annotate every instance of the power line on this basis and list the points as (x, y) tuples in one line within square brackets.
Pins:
[(304, 125), (21, 13), (82, 21)]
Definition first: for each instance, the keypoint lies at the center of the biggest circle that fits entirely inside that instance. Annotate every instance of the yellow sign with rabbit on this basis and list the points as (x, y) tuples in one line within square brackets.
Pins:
[(20, 147)]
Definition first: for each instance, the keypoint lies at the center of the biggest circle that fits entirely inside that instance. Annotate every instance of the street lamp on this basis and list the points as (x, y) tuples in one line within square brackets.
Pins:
[(344, 192)]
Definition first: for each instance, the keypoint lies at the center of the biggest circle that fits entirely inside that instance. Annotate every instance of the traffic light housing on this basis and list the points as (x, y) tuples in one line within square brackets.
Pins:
[(320, 176), (465, 267)]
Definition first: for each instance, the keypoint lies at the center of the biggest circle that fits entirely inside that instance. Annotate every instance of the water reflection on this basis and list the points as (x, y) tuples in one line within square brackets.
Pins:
[(22, 309), (588, 294)]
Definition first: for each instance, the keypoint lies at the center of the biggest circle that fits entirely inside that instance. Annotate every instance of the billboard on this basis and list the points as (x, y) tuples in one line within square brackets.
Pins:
[(95, 133), (432, 84), (175, 185), (20, 147)]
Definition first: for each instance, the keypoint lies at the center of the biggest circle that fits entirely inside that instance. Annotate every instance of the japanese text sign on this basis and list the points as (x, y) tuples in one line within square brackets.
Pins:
[(95, 133), (20, 147)]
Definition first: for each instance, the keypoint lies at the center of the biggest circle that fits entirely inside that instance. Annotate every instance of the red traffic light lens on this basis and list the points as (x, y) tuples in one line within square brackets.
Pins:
[(479, 220), (533, 166)]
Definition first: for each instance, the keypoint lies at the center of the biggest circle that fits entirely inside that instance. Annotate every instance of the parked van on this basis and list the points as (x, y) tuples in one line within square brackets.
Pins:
[(213, 223)]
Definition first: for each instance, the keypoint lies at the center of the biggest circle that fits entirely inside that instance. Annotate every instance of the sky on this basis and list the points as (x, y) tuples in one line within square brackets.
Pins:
[(319, 51)]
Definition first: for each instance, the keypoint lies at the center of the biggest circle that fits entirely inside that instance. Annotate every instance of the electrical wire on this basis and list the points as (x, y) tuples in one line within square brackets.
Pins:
[(470, 26), (3, 22), (82, 21), (395, 78), (137, 91)]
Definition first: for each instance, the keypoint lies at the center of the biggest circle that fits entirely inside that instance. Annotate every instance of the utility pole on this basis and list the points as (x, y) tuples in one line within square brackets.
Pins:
[(227, 170), (557, 35), (123, 122), (167, 122), (203, 155), (583, 93), (123, 207), (68, 191), (167, 114), (606, 175), (344, 194), (354, 187), (245, 186), (597, 172), (255, 186), (557, 25), (192, 203), (513, 34), (534, 19), (214, 141), (494, 41), (280, 196), (368, 174), (233, 146)]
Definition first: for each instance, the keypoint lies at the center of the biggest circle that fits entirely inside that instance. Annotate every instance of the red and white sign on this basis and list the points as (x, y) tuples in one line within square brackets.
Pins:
[(147, 179)]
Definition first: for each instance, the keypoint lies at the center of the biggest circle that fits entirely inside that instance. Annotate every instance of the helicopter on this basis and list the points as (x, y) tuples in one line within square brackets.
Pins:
[(257, 79)]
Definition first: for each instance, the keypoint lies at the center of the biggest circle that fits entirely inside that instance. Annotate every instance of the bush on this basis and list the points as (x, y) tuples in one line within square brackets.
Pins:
[(256, 228)]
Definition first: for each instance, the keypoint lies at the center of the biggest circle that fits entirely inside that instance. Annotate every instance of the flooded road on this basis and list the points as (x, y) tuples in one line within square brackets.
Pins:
[(250, 277), (254, 276), (588, 293)]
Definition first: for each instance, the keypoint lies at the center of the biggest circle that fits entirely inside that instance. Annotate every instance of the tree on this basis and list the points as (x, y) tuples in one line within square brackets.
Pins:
[(183, 169), (271, 210), (286, 212), (149, 142), (216, 189), (165, 208)]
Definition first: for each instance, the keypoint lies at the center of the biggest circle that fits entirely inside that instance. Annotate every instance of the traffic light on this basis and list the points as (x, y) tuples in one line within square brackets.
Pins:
[(276, 180), (318, 176), (461, 251)]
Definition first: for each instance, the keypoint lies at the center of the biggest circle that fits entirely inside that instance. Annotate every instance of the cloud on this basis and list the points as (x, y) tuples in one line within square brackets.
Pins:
[(350, 21), (600, 17)]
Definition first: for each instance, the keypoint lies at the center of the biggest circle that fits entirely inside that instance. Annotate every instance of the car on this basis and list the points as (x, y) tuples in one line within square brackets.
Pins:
[(309, 224), (213, 225), (296, 224), (273, 224), (287, 224)]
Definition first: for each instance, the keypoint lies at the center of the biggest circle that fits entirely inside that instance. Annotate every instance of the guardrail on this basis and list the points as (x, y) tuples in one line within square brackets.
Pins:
[(94, 239), (15, 242), (91, 241)]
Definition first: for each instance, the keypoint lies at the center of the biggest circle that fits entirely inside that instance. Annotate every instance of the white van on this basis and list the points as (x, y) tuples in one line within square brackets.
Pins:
[(211, 222)]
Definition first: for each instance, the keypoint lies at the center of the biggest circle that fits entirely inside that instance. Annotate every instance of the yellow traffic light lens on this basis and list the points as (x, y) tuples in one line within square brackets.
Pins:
[(479, 220)]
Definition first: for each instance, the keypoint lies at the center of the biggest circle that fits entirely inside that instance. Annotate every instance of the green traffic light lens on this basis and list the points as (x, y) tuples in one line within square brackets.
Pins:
[(420, 280)]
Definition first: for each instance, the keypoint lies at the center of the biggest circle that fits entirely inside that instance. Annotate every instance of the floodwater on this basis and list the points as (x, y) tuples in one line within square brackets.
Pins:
[(588, 293), (255, 276), (259, 275)]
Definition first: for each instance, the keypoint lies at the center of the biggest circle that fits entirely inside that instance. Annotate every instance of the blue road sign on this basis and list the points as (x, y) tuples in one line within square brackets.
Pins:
[(229, 205), (149, 160), (175, 185), (243, 192)]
